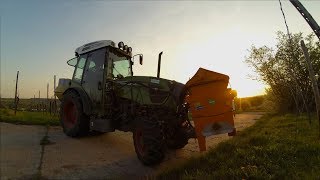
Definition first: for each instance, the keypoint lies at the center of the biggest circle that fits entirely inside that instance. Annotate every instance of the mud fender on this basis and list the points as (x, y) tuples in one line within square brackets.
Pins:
[(86, 102)]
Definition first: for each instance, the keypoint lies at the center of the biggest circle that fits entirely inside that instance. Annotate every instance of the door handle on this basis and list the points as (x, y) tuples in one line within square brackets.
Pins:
[(99, 85)]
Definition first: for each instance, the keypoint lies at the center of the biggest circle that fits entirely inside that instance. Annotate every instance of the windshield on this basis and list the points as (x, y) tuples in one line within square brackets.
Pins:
[(121, 66)]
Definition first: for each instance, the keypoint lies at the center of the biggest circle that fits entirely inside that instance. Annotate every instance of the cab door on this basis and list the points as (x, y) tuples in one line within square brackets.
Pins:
[(93, 77)]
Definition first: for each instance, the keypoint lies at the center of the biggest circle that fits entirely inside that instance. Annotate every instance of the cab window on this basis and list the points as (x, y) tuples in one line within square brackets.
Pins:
[(79, 69)]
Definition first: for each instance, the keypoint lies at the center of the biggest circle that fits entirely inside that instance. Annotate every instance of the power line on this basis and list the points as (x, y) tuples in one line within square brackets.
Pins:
[(285, 20)]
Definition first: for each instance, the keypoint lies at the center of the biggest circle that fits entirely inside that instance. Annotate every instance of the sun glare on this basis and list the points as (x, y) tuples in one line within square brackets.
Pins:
[(224, 53)]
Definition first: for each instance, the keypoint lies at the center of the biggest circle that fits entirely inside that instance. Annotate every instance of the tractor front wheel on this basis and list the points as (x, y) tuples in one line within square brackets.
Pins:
[(148, 140), (72, 118)]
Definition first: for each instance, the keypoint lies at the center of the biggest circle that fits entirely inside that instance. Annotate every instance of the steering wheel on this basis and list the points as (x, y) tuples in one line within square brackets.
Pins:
[(119, 76)]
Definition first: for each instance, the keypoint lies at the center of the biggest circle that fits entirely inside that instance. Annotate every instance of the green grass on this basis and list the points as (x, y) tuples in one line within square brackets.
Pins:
[(28, 118), (276, 147)]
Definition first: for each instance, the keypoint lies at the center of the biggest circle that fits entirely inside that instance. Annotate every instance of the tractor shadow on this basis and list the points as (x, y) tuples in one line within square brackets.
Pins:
[(110, 155)]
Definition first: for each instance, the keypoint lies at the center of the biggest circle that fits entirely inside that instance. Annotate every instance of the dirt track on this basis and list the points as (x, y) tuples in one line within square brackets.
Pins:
[(96, 157)]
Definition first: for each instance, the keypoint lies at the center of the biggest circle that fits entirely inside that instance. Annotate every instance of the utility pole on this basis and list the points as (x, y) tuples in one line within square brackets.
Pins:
[(55, 99), (54, 86), (39, 107), (47, 102), (34, 101), (47, 91), (313, 80), (15, 95)]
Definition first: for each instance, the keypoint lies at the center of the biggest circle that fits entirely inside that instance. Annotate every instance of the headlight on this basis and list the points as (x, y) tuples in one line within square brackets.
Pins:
[(120, 45), (125, 48)]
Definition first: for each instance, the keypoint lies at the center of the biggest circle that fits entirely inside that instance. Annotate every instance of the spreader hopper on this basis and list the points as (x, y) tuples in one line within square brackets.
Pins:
[(211, 105)]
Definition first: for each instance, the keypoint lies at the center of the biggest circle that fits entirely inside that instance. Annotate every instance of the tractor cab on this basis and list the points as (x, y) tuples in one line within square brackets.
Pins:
[(95, 63), (101, 57)]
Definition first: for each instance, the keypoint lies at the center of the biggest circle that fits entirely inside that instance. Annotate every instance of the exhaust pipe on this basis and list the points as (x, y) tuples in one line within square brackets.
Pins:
[(159, 64)]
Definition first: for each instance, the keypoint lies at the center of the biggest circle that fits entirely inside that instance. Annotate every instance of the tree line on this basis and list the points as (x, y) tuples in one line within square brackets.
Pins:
[(283, 69)]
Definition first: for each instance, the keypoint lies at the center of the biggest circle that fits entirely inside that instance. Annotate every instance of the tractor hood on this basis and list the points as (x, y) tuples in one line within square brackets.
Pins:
[(151, 90)]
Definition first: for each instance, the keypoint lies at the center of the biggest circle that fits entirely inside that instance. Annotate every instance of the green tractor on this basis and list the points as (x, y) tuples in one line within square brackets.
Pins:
[(103, 95)]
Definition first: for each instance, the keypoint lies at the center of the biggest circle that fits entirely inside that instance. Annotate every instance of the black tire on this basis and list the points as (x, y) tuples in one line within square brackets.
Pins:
[(148, 139), (179, 140), (96, 133), (72, 118)]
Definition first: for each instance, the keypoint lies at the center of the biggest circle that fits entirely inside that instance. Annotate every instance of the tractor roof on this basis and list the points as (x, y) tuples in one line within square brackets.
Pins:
[(94, 45)]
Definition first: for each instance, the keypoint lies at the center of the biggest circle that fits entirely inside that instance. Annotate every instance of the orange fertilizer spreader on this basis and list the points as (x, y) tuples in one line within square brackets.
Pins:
[(211, 105)]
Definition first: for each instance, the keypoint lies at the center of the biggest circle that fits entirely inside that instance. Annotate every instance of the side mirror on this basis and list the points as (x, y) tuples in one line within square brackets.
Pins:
[(73, 62), (140, 58)]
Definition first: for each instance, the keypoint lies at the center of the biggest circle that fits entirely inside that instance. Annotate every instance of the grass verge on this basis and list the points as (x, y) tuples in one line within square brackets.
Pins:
[(28, 118), (276, 147)]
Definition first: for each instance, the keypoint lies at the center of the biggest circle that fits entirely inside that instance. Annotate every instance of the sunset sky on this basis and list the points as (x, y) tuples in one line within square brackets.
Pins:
[(38, 37)]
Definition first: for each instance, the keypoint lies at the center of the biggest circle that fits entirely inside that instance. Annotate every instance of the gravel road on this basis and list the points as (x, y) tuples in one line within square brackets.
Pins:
[(95, 157)]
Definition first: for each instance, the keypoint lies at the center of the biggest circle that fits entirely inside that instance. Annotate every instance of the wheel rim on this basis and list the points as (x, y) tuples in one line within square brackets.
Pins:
[(139, 141), (70, 114)]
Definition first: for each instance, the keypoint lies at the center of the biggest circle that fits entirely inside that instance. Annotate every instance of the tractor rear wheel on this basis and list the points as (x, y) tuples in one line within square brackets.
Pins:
[(148, 140), (72, 118)]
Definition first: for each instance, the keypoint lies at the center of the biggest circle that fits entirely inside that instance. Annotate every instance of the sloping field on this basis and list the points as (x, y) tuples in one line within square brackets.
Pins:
[(279, 147)]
